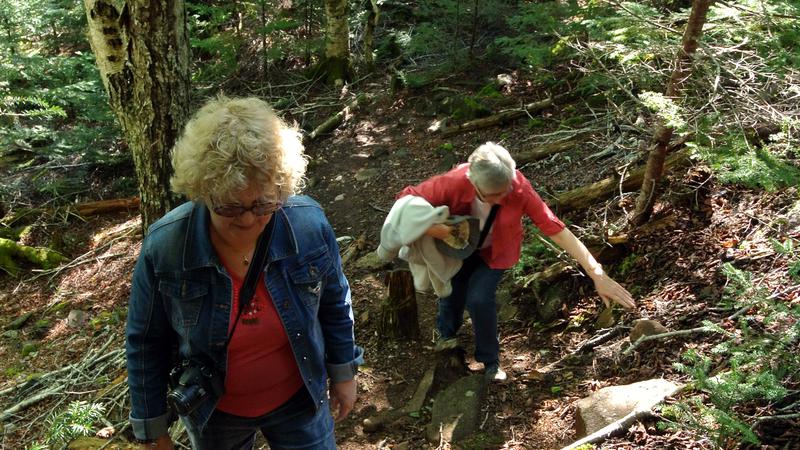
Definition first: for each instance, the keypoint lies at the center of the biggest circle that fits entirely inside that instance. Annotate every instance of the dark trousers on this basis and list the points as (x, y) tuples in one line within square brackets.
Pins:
[(474, 288)]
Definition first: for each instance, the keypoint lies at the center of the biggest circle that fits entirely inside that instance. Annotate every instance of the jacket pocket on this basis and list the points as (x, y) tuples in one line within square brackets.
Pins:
[(186, 299), (308, 277)]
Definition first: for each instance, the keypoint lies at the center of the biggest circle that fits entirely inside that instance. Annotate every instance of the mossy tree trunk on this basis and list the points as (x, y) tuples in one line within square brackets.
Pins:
[(41, 257), (663, 133), (336, 62), (142, 50)]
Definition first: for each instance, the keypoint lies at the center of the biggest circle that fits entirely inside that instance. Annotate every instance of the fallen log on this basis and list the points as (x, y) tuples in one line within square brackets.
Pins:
[(543, 151), (107, 206), (332, 122), (26, 215), (585, 196), (499, 118), (40, 256)]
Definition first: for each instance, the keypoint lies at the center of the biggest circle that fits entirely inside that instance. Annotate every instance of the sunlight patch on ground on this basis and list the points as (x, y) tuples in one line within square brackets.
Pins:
[(100, 278), (59, 329), (112, 232), (366, 133)]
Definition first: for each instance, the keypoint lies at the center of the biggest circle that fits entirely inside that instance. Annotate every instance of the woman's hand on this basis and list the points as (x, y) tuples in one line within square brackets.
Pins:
[(609, 290), (343, 397), (162, 443), (439, 231)]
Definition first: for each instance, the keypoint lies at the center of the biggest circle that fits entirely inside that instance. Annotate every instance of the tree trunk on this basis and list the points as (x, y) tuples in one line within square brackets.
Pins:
[(142, 51), (369, 32), (399, 310), (336, 64), (663, 134)]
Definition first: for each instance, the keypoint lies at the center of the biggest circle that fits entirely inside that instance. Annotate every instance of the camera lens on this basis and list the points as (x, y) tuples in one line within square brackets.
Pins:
[(184, 399)]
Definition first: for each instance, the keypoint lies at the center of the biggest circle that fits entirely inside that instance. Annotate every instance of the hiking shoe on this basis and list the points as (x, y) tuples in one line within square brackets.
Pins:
[(493, 373), (443, 344)]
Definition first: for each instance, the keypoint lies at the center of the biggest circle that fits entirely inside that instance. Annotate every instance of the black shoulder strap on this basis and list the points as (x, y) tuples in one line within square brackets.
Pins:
[(254, 271), (488, 225)]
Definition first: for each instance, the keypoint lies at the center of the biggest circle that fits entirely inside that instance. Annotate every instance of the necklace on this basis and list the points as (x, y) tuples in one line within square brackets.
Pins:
[(245, 261)]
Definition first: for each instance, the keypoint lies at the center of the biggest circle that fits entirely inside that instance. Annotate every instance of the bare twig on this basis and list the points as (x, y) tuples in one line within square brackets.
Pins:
[(8, 413), (378, 208)]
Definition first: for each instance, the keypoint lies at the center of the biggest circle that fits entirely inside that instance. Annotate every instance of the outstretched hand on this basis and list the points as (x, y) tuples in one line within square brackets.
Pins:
[(609, 290)]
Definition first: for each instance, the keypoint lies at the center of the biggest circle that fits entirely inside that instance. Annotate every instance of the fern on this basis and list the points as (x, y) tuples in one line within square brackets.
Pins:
[(77, 420), (29, 107)]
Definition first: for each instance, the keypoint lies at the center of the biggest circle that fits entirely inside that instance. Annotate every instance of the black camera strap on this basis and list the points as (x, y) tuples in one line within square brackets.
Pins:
[(487, 226), (254, 271)]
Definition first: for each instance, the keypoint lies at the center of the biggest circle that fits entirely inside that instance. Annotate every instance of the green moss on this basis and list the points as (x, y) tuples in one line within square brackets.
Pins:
[(13, 371), (41, 327), (469, 108), (28, 348), (6, 262), (482, 441), (42, 257), (738, 163), (60, 306), (627, 264), (535, 123), (489, 91), (10, 233), (573, 122)]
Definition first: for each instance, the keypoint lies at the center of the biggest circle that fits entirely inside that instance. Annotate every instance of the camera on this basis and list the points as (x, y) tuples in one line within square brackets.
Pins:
[(192, 383)]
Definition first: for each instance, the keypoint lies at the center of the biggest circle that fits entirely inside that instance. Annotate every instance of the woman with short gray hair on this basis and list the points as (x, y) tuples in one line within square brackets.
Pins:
[(489, 187)]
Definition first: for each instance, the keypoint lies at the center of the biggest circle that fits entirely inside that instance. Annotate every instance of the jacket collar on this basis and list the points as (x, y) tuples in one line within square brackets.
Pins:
[(198, 251)]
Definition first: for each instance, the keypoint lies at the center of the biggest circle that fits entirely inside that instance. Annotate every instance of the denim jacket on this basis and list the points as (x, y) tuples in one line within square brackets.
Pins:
[(181, 300)]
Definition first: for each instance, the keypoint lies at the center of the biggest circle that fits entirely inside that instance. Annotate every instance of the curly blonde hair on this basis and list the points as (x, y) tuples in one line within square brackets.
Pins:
[(234, 143)]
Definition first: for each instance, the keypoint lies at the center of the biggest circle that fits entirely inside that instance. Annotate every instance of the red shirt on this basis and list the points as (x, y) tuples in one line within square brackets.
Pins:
[(262, 372), (454, 189)]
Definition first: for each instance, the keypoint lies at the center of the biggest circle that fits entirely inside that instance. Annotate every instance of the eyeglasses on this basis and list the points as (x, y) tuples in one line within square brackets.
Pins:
[(483, 196), (257, 208)]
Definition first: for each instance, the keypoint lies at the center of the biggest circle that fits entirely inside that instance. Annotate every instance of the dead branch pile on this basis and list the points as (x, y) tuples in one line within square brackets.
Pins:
[(102, 363)]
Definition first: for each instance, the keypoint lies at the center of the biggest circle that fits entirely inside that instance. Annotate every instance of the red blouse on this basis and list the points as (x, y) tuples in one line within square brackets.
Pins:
[(262, 372), (455, 190)]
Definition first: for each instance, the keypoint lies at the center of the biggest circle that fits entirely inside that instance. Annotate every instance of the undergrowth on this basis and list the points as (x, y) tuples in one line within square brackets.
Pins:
[(756, 365)]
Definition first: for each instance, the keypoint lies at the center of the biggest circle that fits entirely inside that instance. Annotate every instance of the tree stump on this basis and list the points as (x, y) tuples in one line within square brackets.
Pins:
[(398, 318)]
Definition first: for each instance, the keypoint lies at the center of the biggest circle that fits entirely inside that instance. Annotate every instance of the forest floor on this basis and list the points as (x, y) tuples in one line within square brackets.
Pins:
[(674, 274)]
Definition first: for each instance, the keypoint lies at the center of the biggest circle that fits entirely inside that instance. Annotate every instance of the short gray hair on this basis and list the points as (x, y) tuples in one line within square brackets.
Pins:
[(491, 166), (232, 144)]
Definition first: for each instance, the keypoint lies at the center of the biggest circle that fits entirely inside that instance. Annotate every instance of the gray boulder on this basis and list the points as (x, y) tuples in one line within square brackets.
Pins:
[(612, 403), (456, 410)]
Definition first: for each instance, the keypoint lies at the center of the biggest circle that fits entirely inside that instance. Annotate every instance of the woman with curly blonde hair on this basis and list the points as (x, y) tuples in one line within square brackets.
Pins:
[(232, 365)]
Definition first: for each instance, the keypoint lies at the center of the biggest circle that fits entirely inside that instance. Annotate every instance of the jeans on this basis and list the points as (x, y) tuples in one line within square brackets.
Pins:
[(294, 425), (474, 287)]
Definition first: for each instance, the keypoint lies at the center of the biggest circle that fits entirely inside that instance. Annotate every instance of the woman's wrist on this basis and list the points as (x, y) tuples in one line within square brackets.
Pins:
[(596, 272)]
